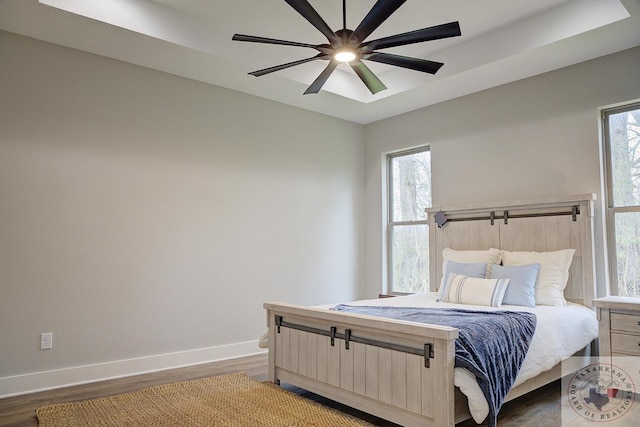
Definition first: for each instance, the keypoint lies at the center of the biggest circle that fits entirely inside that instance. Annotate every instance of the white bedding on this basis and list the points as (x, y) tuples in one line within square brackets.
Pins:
[(560, 332)]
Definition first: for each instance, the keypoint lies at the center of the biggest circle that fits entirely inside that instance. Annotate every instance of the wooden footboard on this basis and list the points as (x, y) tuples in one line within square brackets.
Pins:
[(399, 371)]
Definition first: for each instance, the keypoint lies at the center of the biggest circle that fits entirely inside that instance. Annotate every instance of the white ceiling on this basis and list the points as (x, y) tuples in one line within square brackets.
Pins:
[(502, 41)]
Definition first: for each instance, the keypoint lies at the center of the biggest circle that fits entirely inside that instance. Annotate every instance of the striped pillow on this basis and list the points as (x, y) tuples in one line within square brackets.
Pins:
[(461, 289)]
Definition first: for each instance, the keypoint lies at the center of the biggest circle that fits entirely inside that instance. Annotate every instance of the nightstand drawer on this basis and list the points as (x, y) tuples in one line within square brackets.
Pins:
[(625, 322), (628, 344)]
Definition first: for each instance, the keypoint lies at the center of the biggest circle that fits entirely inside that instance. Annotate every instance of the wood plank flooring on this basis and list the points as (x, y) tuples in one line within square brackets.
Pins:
[(540, 409)]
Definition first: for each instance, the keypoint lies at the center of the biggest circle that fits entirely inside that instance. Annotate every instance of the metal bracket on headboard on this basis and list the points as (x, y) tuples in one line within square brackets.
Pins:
[(442, 219)]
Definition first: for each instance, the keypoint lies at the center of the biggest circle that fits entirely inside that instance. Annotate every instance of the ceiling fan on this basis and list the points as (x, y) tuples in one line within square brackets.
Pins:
[(349, 46)]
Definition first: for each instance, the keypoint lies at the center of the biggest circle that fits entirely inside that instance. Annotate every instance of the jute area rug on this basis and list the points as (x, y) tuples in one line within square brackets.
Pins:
[(227, 400)]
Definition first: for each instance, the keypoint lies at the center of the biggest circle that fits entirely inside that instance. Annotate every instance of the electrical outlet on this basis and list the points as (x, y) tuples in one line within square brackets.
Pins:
[(46, 341)]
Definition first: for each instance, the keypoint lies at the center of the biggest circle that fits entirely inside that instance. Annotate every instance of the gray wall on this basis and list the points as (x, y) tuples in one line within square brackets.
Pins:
[(146, 214), (537, 137)]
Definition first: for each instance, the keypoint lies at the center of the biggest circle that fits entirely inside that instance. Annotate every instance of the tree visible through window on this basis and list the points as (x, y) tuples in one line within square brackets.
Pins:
[(409, 194), (622, 142)]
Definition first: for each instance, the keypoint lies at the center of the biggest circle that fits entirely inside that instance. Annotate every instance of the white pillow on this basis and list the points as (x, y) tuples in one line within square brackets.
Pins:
[(489, 256), (553, 274), (461, 289)]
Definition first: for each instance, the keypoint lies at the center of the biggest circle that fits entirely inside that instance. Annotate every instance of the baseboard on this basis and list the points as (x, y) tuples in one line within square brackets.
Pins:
[(48, 380)]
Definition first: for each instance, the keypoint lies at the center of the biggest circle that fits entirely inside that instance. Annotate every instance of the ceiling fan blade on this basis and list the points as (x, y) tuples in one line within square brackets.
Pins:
[(376, 16), (417, 64), (309, 13), (322, 78), (452, 29), (287, 65), (372, 82), (257, 39)]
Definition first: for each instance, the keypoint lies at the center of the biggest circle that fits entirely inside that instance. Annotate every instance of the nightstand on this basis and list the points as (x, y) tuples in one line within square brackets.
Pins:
[(619, 343), (619, 323)]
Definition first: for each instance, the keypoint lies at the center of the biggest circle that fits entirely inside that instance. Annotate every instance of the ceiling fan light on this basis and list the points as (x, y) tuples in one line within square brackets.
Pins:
[(344, 55)]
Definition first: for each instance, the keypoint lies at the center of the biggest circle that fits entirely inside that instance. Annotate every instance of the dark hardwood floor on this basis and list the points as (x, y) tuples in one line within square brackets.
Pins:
[(539, 409)]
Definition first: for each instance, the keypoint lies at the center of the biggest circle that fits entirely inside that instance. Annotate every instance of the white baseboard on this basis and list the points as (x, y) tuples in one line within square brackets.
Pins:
[(48, 380)]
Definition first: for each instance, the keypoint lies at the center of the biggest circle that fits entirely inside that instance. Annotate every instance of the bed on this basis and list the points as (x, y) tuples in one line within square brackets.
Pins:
[(405, 371)]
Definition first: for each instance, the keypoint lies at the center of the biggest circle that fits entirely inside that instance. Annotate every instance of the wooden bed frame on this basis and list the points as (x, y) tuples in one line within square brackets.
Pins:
[(403, 371)]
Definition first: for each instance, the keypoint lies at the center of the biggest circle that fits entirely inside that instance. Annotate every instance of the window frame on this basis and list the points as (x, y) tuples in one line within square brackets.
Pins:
[(611, 209), (391, 224)]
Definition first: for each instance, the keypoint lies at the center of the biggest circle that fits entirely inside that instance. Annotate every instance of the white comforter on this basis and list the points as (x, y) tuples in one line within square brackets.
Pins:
[(560, 332)]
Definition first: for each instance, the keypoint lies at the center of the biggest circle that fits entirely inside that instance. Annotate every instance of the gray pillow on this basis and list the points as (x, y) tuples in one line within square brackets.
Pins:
[(477, 270), (522, 283)]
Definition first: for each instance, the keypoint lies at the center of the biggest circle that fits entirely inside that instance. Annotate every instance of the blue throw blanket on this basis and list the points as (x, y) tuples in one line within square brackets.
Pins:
[(492, 344)]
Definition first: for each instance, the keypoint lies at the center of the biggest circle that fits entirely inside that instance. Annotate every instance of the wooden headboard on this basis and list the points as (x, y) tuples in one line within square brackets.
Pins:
[(539, 225)]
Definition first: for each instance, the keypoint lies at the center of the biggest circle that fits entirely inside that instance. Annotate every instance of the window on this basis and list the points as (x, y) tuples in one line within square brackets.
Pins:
[(409, 193), (622, 156)]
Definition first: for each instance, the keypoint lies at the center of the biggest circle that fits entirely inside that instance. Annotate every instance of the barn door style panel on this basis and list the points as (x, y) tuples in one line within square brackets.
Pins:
[(542, 225), (393, 377), (401, 371)]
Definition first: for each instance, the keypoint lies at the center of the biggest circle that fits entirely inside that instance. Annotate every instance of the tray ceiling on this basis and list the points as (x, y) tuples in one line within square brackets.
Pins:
[(502, 41)]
